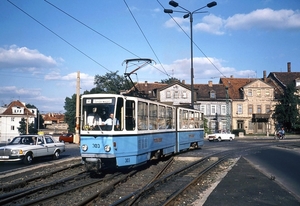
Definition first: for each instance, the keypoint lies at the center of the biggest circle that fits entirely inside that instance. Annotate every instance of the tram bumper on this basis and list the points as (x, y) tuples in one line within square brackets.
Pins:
[(92, 163)]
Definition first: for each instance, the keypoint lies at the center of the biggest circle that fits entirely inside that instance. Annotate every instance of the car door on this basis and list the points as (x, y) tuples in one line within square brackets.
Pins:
[(50, 145), (41, 147)]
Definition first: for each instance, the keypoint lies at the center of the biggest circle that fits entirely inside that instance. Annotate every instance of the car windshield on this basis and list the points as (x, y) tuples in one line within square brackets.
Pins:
[(22, 140)]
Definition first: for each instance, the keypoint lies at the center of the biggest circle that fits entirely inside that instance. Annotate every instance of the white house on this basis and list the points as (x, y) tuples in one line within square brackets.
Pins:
[(10, 118)]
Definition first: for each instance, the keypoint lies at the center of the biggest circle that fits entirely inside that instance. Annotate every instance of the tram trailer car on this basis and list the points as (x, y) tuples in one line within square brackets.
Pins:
[(140, 130)]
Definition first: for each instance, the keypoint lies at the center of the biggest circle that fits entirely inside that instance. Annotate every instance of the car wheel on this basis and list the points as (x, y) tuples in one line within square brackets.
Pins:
[(230, 138), (56, 155), (28, 158), (219, 139)]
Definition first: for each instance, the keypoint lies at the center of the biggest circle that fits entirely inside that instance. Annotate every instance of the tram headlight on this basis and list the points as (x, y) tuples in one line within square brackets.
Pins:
[(84, 147), (107, 148)]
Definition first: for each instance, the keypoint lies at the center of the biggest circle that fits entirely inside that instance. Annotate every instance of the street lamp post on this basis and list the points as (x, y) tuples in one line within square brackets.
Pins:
[(189, 14)]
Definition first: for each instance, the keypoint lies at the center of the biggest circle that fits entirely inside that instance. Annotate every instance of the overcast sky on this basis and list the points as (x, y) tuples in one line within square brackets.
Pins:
[(44, 43)]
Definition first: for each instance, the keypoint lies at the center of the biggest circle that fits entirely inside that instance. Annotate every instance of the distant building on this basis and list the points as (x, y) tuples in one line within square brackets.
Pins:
[(10, 117)]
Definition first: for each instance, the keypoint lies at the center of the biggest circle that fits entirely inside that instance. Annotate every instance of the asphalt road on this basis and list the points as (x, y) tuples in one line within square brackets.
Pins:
[(72, 150), (281, 163)]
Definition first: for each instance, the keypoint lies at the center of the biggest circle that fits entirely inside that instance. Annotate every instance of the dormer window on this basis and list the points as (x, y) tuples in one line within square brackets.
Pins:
[(212, 94)]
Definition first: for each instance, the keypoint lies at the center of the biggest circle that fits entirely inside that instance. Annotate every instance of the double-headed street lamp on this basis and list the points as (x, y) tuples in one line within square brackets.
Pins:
[(189, 14)]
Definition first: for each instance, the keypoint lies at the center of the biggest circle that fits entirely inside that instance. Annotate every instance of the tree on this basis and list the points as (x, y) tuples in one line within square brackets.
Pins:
[(23, 127), (286, 112), (170, 80), (70, 114), (109, 83)]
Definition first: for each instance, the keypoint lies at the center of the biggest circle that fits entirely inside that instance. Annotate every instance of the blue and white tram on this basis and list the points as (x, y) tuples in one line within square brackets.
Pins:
[(139, 130)]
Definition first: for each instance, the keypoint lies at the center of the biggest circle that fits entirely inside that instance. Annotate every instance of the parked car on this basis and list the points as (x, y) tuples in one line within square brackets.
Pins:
[(221, 136), (66, 138), (27, 147)]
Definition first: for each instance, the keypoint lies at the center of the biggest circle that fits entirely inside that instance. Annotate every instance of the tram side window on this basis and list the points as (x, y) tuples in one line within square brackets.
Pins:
[(161, 117), (129, 115), (142, 115), (169, 118), (183, 119), (191, 120), (197, 119), (152, 116)]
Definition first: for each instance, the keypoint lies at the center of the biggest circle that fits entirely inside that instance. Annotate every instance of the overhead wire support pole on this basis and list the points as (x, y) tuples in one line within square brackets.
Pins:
[(189, 14)]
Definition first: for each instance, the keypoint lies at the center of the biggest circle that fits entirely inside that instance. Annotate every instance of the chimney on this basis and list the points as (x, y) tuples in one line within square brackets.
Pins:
[(210, 83), (146, 83), (265, 75), (183, 81), (289, 67)]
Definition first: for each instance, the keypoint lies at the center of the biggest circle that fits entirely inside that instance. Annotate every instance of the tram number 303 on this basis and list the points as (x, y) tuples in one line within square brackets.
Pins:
[(96, 145)]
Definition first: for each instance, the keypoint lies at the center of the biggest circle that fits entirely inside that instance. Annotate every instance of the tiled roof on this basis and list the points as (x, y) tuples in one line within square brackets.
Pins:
[(284, 78), (145, 87), (17, 103), (203, 91), (234, 85), (54, 117)]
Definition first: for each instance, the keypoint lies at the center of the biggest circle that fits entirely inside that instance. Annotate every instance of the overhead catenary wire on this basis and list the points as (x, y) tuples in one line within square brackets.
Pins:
[(107, 38), (63, 39), (145, 38)]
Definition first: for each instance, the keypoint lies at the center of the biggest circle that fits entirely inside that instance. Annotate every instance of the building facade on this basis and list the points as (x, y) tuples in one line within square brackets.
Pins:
[(10, 119)]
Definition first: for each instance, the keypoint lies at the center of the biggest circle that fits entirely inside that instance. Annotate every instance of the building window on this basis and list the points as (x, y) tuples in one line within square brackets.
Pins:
[(184, 95), (203, 109), (267, 92), (168, 94), (12, 119), (240, 124), (250, 109), (268, 108), (12, 127), (258, 93), (223, 109), (250, 92), (213, 109), (259, 109), (212, 94), (176, 94), (240, 109)]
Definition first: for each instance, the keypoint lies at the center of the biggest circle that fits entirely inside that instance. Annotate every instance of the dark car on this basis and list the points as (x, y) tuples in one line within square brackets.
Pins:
[(66, 138)]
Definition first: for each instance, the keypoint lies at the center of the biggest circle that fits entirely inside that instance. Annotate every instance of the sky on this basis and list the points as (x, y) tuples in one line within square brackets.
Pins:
[(45, 43)]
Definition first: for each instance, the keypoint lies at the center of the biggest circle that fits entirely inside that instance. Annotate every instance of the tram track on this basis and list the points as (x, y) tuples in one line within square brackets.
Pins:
[(139, 186)]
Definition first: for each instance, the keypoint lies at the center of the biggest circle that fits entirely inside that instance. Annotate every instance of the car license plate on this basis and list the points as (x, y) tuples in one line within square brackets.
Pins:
[(4, 157)]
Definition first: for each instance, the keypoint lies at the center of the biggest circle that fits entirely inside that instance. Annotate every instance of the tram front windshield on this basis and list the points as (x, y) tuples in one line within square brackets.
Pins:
[(99, 114)]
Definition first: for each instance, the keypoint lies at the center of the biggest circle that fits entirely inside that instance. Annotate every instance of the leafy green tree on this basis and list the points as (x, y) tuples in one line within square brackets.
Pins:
[(170, 80), (286, 112), (23, 127), (70, 114), (109, 83)]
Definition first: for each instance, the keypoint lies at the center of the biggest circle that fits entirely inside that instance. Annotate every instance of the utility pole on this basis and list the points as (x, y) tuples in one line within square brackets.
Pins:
[(228, 119), (77, 139)]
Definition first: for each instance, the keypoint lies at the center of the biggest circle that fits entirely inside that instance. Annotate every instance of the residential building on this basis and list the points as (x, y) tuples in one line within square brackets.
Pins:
[(213, 101), (253, 101), (10, 118)]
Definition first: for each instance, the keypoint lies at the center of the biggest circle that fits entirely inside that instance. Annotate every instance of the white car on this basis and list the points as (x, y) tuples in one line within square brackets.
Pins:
[(27, 147), (221, 136)]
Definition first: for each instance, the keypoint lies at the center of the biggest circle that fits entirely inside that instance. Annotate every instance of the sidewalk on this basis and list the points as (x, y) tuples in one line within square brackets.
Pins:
[(245, 185)]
